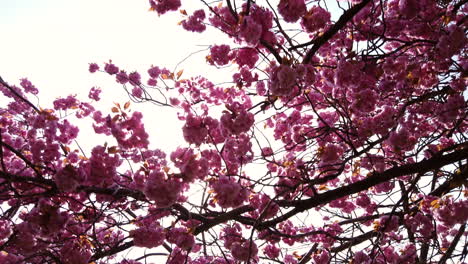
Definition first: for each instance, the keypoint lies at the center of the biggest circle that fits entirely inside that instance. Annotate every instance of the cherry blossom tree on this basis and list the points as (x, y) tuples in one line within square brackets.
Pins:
[(338, 136)]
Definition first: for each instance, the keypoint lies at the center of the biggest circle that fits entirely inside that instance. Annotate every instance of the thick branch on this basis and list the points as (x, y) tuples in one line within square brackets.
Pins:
[(112, 251), (320, 41), (454, 243), (222, 218), (373, 180)]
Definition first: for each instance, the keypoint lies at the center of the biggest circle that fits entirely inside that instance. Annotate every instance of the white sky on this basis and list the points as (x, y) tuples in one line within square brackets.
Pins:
[(51, 42)]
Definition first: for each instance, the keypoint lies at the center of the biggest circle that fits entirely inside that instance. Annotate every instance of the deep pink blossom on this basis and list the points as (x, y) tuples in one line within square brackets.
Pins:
[(28, 86), (163, 6), (220, 54), (237, 121), (111, 69), (195, 22), (148, 236), (164, 192), (292, 10), (134, 78), (94, 93), (93, 67), (244, 251), (316, 19), (246, 56), (282, 80), (250, 31), (195, 130), (181, 237), (229, 193)]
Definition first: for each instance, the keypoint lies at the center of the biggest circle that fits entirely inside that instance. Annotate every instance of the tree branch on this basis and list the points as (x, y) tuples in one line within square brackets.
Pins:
[(375, 179), (320, 41)]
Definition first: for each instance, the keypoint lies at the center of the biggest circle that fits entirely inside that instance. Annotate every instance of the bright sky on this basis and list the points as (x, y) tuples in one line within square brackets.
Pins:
[(51, 42)]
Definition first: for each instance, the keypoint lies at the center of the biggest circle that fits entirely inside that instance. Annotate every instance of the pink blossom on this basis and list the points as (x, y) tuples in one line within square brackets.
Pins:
[(245, 78), (316, 19), (292, 10), (401, 140), (220, 54), (409, 254), (322, 258), (452, 212), (66, 103), (238, 121), (148, 236), (68, 132), (25, 240), (271, 251), (134, 78), (68, 179), (5, 229), (224, 20), (111, 68), (75, 252), (195, 169), (384, 187), (343, 204), (389, 223), (364, 101), (28, 86), (449, 44), (229, 193), (195, 22), (163, 6), (237, 151), (93, 67), (265, 207), (121, 77), (42, 152), (282, 80), (152, 82), (243, 251), (231, 235), (361, 258), (260, 88), (181, 237), (420, 223), (384, 120), (331, 153), (137, 92), (94, 94), (178, 257), (174, 101), (102, 167), (47, 219), (164, 192), (190, 167), (290, 259), (10, 258), (194, 130), (409, 8), (246, 56), (363, 200), (130, 133), (267, 151), (250, 31), (154, 72)]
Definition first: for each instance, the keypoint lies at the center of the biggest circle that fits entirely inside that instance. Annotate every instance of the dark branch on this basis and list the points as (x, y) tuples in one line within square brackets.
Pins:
[(320, 41)]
